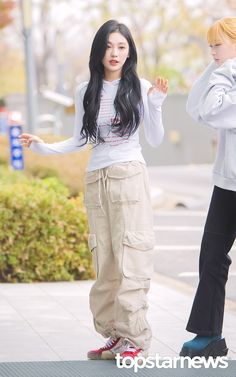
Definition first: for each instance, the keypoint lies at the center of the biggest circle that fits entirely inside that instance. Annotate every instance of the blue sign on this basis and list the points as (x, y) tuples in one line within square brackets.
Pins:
[(3, 122), (16, 149)]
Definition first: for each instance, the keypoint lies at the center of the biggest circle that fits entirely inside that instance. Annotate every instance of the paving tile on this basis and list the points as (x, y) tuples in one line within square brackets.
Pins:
[(52, 321)]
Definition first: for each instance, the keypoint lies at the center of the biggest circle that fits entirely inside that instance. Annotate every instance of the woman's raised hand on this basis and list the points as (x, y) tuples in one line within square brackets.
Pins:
[(161, 85), (27, 139)]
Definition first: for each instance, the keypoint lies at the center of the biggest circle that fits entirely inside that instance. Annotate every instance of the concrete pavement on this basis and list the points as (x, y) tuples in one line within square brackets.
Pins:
[(52, 321), (187, 186)]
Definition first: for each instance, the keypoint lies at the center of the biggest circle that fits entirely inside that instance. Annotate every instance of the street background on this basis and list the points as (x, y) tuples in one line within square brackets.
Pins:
[(44, 53)]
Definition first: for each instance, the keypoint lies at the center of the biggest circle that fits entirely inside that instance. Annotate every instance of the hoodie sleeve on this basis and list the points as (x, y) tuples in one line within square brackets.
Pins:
[(152, 117), (217, 105), (73, 144), (193, 103)]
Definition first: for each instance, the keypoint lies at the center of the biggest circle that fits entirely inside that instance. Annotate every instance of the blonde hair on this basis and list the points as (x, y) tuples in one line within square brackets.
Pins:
[(221, 30)]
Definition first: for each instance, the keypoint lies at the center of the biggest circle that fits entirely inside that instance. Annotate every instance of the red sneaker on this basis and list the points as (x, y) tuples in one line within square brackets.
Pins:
[(108, 352), (131, 351)]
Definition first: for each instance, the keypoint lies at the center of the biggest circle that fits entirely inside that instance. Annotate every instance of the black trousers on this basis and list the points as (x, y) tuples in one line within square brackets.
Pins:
[(207, 312)]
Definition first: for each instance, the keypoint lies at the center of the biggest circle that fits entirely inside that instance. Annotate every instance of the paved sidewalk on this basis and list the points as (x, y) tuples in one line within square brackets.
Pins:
[(52, 321), (187, 186)]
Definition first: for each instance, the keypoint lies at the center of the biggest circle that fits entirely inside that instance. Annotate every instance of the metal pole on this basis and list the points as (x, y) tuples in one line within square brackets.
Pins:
[(29, 67), (60, 56)]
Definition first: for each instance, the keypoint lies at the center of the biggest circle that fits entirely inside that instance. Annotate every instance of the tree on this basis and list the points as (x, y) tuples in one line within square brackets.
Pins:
[(6, 7), (170, 36)]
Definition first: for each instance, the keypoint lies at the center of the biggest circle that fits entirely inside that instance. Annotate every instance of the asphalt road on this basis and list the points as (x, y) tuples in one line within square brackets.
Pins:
[(178, 239), (181, 196)]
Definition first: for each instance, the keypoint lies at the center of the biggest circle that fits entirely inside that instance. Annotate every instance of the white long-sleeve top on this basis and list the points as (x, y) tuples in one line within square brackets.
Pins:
[(212, 101), (115, 149)]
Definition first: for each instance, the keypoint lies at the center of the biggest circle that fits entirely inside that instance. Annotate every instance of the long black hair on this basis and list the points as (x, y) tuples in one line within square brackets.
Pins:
[(128, 101)]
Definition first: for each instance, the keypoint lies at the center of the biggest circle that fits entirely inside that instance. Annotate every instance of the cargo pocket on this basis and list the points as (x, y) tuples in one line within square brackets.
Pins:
[(138, 254), (92, 243), (91, 196), (125, 182)]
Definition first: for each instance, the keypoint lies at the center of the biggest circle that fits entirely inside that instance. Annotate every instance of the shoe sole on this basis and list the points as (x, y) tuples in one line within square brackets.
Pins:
[(105, 355), (215, 349), (143, 355)]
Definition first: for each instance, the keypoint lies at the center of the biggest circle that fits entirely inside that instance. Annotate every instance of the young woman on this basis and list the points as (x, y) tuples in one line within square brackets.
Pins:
[(212, 101), (109, 110)]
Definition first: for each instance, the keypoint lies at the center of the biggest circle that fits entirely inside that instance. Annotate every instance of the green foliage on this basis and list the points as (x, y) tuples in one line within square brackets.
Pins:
[(43, 234), (68, 168), (175, 78)]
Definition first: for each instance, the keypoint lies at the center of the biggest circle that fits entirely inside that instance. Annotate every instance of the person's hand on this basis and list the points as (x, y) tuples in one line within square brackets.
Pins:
[(27, 139), (161, 85)]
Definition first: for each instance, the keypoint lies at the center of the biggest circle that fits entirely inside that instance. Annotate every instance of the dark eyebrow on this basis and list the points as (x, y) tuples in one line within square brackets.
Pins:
[(120, 43)]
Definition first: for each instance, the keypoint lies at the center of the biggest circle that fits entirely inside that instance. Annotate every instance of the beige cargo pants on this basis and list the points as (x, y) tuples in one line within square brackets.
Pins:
[(121, 240)]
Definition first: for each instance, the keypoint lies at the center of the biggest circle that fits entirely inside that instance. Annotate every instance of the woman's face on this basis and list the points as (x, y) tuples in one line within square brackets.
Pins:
[(223, 51), (117, 52)]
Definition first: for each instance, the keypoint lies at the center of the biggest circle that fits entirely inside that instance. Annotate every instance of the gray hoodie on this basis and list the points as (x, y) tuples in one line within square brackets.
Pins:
[(212, 102)]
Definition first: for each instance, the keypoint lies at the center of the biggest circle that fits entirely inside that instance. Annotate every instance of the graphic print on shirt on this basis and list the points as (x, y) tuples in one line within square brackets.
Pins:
[(106, 121)]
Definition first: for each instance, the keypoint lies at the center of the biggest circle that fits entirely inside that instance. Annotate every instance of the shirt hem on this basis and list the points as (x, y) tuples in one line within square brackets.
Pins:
[(224, 183), (113, 162)]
